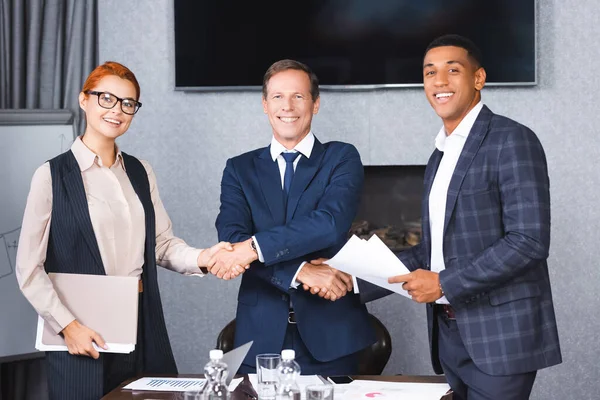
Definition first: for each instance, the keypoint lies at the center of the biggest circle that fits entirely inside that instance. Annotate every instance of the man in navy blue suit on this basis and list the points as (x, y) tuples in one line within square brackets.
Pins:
[(283, 206), (481, 266)]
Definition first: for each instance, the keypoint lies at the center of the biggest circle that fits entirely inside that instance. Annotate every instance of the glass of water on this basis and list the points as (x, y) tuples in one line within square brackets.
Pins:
[(192, 395), (319, 392), (266, 375)]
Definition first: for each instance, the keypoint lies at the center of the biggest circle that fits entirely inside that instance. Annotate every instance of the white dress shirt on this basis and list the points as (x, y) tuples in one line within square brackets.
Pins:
[(305, 148), (451, 145)]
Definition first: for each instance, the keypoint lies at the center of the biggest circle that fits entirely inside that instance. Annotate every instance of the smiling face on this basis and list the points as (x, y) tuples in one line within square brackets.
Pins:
[(102, 123), (452, 83), (290, 106)]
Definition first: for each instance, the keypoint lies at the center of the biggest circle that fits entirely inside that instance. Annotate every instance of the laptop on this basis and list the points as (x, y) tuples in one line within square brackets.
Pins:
[(234, 359)]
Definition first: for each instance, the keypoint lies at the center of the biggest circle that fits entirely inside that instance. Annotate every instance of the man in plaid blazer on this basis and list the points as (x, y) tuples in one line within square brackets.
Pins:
[(481, 266)]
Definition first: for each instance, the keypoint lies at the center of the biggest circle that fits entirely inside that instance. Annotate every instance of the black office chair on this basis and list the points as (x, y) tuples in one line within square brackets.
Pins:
[(372, 360), (226, 336)]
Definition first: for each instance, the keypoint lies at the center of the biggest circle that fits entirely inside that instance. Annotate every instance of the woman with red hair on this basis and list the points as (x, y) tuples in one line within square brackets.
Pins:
[(96, 210)]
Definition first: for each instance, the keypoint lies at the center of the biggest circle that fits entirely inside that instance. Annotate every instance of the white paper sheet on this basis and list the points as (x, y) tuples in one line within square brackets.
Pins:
[(166, 384), (372, 261), (174, 384), (360, 389)]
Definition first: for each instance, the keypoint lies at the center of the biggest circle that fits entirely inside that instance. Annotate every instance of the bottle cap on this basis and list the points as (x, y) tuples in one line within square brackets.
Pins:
[(288, 354), (216, 354)]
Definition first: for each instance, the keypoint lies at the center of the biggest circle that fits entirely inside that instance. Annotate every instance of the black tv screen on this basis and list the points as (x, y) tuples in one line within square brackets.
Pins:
[(350, 44)]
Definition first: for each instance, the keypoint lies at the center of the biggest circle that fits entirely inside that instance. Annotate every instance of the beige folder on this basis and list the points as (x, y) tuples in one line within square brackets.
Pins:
[(106, 304)]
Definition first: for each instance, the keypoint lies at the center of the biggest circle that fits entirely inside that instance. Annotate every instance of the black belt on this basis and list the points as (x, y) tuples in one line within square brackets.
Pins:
[(447, 311), (291, 317)]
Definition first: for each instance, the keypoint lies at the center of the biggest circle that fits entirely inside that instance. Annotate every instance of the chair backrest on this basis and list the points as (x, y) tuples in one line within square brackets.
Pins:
[(372, 360), (226, 337)]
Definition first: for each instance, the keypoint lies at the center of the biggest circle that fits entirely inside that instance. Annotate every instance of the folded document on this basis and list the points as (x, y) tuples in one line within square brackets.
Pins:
[(106, 304), (372, 261)]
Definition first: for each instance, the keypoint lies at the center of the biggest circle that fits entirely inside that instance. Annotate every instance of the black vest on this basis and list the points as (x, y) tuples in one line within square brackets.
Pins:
[(72, 248)]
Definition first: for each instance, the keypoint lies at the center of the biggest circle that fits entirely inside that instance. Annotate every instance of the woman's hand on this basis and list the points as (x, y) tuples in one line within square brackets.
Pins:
[(79, 340), (206, 254)]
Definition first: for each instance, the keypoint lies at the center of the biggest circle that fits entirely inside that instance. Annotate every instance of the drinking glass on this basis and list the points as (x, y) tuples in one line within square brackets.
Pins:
[(266, 374), (319, 392)]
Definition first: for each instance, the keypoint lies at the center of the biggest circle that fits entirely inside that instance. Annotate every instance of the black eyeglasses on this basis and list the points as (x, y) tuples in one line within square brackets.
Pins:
[(109, 100)]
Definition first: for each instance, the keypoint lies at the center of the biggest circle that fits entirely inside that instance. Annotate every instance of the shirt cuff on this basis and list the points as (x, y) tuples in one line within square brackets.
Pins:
[(355, 285), (260, 256), (294, 284), (59, 319), (191, 263)]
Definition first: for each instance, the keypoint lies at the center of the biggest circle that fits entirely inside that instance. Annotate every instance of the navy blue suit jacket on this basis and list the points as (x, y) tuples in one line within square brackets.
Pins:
[(496, 242), (322, 204)]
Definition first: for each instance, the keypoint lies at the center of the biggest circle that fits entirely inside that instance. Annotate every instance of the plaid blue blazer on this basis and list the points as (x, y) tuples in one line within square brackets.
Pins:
[(496, 242)]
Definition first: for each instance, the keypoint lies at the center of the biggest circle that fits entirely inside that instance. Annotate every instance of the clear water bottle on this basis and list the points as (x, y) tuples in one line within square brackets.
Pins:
[(288, 372), (215, 373)]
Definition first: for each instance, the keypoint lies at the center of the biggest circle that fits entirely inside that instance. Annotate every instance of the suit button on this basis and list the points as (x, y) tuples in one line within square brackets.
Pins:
[(284, 297)]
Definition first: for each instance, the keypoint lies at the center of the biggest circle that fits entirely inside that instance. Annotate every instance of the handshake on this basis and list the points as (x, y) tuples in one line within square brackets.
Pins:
[(228, 261)]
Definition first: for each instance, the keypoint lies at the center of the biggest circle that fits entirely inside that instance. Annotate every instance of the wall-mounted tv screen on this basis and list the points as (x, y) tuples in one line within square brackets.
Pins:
[(350, 44)]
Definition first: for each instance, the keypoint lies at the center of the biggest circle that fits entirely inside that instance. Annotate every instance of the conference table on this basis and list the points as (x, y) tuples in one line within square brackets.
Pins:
[(244, 391)]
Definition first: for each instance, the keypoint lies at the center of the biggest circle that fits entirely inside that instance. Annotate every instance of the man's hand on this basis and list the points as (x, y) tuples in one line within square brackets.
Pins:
[(422, 285), (230, 264), (79, 340), (206, 254), (321, 279)]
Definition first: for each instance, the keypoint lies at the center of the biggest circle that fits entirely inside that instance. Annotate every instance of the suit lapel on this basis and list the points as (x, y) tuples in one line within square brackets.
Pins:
[(269, 179), (134, 170), (78, 200), (472, 145), (430, 171), (305, 171)]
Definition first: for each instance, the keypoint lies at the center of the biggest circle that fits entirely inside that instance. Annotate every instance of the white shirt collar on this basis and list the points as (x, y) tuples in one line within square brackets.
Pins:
[(86, 158), (463, 129), (304, 147)]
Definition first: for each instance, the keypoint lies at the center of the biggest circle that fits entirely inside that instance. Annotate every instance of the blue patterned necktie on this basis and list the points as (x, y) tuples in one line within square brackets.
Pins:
[(289, 171)]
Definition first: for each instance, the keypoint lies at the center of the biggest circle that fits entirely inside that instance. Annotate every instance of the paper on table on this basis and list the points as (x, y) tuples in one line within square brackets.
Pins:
[(371, 261), (235, 382), (166, 384), (174, 384), (360, 389)]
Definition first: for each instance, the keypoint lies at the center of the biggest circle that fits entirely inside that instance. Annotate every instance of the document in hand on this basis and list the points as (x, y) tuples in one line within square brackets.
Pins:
[(372, 261), (106, 304)]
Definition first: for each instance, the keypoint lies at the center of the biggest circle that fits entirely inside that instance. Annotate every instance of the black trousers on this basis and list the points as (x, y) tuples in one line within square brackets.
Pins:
[(83, 378), (467, 381)]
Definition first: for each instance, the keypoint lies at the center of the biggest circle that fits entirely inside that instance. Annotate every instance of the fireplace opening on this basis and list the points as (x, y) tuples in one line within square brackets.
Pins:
[(391, 205)]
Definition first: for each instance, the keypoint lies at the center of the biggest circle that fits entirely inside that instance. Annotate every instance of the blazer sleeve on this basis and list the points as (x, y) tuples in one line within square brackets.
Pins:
[(234, 222), (413, 258), (330, 220), (525, 208)]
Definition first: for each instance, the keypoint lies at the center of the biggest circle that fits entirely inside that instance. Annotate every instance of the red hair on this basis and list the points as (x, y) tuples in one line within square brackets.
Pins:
[(111, 68)]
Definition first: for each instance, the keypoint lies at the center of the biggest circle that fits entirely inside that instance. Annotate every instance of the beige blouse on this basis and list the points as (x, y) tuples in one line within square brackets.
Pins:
[(118, 220)]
